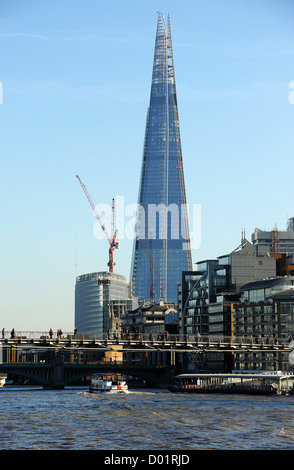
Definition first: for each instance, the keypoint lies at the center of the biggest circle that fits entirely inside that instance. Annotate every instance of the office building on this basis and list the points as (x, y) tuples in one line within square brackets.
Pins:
[(101, 299), (149, 318), (162, 243), (276, 241), (265, 311), (207, 294)]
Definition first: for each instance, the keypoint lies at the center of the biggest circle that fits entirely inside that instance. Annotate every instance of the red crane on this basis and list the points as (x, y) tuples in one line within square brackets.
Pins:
[(111, 239)]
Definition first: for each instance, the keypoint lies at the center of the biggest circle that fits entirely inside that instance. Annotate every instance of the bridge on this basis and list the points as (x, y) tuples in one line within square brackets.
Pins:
[(146, 342), (57, 371), (57, 374)]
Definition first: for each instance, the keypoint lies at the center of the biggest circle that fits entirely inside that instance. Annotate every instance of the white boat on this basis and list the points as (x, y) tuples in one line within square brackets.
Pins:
[(112, 383), (2, 381)]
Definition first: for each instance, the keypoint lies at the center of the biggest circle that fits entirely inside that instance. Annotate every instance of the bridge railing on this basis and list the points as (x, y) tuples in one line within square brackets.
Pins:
[(249, 340), (163, 336), (34, 334)]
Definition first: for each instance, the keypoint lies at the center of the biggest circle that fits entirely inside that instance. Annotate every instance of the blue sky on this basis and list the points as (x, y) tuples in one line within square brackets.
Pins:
[(76, 81)]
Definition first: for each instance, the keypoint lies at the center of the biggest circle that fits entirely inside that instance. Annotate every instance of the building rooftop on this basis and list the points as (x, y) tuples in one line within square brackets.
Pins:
[(267, 283), (103, 275), (283, 295)]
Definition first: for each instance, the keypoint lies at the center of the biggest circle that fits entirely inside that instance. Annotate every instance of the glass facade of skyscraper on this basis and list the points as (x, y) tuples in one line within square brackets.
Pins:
[(162, 244)]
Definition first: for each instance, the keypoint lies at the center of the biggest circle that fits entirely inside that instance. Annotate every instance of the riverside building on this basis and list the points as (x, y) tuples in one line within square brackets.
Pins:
[(265, 310), (150, 321), (101, 299), (150, 318), (206, 295), (162, 243)]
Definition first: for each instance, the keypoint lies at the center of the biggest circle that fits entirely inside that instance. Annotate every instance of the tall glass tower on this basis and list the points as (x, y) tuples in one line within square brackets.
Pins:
[(162, 243)]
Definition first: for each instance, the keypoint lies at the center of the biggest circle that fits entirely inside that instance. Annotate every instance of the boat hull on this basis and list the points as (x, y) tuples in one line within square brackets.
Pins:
[(112, 390), (223, 390)]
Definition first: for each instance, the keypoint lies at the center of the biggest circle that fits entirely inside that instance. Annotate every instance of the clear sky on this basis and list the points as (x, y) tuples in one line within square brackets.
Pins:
[(76, 79)]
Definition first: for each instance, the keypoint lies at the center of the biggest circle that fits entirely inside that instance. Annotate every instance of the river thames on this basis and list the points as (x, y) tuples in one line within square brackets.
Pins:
[(74, 419)]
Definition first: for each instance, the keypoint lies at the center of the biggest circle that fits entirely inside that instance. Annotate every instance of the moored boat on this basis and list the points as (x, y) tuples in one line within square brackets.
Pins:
[(249, 384), (112, 383)]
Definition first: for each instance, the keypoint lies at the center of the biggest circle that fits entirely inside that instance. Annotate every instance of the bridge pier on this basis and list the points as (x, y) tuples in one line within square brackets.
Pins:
[(57, 373)]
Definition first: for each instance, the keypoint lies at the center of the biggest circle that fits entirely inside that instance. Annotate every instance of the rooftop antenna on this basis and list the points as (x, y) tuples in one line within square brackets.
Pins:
[(243, 238)]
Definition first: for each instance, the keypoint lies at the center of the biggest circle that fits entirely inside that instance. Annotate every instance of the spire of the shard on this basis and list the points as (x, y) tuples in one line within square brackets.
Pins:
[(162, 244)]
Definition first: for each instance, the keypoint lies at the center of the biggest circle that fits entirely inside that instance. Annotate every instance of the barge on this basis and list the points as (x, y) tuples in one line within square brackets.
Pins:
[(249, 384)]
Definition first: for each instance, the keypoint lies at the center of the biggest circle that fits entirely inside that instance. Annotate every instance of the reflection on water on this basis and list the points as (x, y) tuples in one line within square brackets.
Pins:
[(33, 418)]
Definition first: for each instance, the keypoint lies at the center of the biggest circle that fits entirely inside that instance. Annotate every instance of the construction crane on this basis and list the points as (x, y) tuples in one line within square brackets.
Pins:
[(112, 238)]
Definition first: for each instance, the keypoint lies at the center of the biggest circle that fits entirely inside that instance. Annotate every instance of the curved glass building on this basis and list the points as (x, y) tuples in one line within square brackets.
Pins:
[(95, 294), (162, 244)]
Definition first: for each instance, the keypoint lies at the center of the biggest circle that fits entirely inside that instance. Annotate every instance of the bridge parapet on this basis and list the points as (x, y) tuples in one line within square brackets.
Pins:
[(146, 341)]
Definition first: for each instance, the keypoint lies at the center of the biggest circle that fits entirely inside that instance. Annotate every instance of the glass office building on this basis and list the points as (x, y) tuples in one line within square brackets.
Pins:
[(94, 295), (162, 244)]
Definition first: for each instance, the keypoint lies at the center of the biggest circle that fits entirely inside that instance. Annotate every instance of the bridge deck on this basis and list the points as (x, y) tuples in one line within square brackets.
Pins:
[(146, 342)]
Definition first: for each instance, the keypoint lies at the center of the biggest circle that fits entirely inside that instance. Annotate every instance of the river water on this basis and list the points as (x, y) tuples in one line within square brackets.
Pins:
[(74, 419)]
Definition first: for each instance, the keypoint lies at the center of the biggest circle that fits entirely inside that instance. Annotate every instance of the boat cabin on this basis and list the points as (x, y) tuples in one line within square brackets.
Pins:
[(267, 383)]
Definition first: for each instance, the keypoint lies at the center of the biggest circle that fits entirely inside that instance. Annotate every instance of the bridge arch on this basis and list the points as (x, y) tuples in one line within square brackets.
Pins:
[(33, 375), (61, 374)]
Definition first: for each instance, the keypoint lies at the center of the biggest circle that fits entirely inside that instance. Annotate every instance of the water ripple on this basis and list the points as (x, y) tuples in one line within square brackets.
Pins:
[(75, 419)]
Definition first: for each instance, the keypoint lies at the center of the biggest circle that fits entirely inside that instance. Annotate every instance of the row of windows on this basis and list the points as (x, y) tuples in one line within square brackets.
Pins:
[(287, 307)]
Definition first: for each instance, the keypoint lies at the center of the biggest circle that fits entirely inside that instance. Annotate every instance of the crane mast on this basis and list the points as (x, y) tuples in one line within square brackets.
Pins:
[(112, 238)]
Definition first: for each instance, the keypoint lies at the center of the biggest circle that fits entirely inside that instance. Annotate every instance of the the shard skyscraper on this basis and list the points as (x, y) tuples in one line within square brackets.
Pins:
[(162, 243)]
